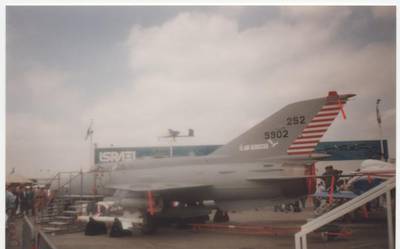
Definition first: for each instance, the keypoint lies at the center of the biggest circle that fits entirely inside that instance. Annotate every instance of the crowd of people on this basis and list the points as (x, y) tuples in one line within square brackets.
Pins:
[(331, 181), (23, 199)]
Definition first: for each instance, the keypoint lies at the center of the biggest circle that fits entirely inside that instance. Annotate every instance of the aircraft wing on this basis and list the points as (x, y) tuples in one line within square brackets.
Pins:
[(159, 187)]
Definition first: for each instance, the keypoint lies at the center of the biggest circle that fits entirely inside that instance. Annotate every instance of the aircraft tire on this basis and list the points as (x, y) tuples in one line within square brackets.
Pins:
[(221, 216)]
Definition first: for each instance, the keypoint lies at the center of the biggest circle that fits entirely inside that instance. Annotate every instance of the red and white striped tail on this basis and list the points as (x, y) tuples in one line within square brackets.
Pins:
[(309, 138)]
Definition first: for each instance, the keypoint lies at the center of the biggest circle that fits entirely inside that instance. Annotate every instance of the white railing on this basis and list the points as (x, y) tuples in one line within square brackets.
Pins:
[(381, 189)]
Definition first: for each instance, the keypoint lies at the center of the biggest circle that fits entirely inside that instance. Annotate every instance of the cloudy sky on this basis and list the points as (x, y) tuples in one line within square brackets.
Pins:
[(138, 71)]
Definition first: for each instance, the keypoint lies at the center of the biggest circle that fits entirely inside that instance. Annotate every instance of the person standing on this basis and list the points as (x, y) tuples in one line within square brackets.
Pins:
[(38, 201), (23, 201), (29, 201), (17, 202), (10, 201), (328, 176), (332, 179)]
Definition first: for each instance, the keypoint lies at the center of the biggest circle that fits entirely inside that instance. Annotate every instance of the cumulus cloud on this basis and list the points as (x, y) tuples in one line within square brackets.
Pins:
[(45, 135), (383, 12), (330, 16), (200, 70), (204, 70)]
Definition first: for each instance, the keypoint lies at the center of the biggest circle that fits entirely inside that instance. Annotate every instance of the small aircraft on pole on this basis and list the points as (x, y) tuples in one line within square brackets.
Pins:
[(174, 134)]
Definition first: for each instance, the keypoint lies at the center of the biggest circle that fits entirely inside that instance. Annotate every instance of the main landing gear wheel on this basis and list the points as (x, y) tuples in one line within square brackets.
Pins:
[(149, 224), (221, 216)]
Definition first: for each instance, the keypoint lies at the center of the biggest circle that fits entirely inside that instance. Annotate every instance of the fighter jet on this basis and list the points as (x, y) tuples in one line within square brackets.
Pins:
[(266, 165)]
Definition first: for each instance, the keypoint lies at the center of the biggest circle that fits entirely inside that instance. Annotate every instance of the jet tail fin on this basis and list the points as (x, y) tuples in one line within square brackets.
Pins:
[(294, 130)]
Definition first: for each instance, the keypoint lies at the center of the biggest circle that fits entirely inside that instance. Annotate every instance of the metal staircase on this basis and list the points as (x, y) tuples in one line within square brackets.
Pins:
[(384, 188), (61, 215), (64, 220)]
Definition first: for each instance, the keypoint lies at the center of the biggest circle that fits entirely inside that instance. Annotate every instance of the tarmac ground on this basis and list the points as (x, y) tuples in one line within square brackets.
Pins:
[(366, 234)]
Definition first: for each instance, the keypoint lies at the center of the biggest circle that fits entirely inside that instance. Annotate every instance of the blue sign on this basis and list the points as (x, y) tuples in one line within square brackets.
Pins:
[(339, 150), (353, 150)]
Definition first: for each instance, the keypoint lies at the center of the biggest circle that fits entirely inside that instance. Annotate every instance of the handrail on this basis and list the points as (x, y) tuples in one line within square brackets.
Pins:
[(28, 233), (27, 221), (37, 237), (70, 179), (350, 205), (53, 178), (385, 187), (49, 243), (58, 177)]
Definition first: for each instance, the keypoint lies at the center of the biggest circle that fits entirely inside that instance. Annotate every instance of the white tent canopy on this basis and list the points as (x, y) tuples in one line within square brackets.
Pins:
[(17, 179)]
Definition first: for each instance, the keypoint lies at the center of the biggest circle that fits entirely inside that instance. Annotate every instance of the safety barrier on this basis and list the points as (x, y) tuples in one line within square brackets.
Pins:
[(11, 233), (384, 188), (28, 234), (43, 242), (34, 238)]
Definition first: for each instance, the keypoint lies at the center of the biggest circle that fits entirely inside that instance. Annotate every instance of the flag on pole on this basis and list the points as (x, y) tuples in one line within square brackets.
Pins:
[(378, 114), (89, 131)]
